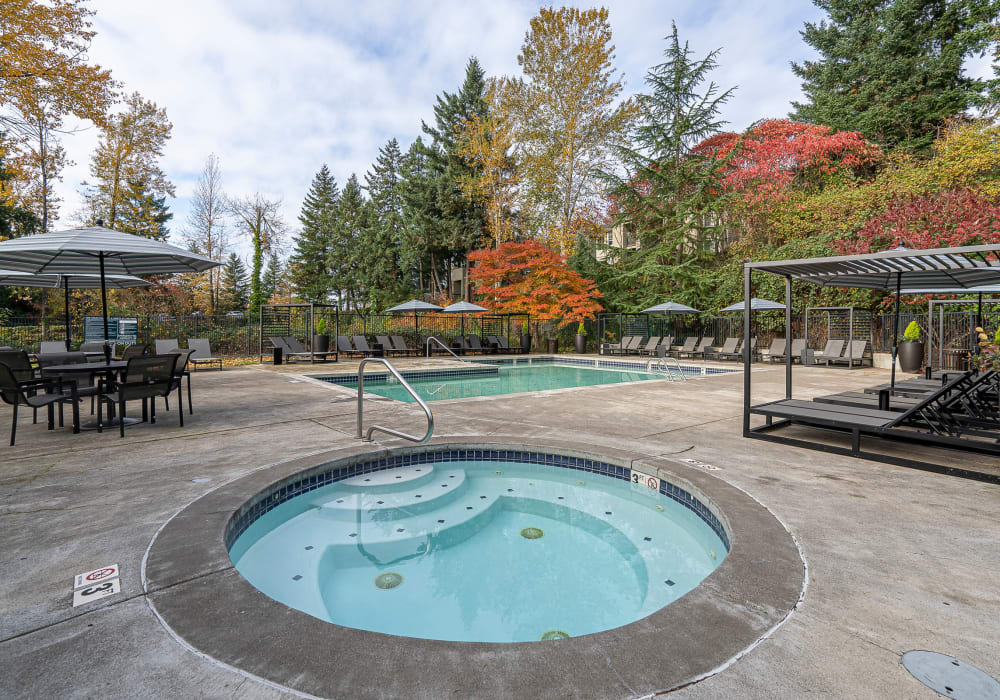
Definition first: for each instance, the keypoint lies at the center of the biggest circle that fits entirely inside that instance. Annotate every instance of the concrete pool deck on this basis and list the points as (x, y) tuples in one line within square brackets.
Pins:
[(898, 559)]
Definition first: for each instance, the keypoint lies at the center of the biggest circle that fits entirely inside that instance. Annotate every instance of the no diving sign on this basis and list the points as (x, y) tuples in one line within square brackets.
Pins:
[(99, 575), (94, 585)]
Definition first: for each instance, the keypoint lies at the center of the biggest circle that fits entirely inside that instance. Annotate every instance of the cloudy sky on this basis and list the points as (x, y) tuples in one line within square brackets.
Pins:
[(276, 89)]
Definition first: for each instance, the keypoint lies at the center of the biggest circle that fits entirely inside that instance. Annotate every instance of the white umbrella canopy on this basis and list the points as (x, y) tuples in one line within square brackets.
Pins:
[(756, 305), (670, 307), (12, 278), (414, 305), (99, 250), (463, 307)]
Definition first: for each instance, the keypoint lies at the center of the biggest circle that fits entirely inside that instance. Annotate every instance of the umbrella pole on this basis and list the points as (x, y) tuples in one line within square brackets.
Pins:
[(66, 287), (104, 309), (895, 336)]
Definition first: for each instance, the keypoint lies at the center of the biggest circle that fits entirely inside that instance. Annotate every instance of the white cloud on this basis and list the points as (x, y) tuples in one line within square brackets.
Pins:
[(277, 89)]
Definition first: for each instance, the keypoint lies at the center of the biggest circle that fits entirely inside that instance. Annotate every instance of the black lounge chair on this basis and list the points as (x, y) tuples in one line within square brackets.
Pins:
[(649, 347), (728, 348), (833, 351), (854, 352), (777, 347), (699, 350), (202, 354), (344, 346), (503, 345), (937, 418), (738, 354), (361, 343), (144, 378), (399, 345), (37, 393), (475, 346), (686, 347), (386, 344), (798, 345)]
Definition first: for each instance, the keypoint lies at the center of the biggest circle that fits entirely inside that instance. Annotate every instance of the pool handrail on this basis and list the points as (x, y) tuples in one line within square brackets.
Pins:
[(427, 347), (361, 394)]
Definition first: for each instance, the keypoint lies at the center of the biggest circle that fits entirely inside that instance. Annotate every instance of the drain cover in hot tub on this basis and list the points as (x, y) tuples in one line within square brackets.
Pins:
[(950, 677)]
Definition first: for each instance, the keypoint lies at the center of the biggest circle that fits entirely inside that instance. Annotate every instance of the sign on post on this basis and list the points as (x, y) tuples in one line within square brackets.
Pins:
[(123, 330)]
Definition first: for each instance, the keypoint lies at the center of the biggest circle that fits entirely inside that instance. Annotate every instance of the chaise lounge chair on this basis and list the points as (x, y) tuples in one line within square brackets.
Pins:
[(344, 346), (728, 348), (399, 345), (854, 352), (699, 350), (650, 347), (777, 347), (798, 345), (475, 346), (738, 354), (832, 351), (361, 343)]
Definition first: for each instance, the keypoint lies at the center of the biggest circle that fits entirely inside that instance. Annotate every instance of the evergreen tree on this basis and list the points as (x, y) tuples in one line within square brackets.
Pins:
[(453, 223), (271, 280), (142, 213), (345, 254), (669, 196), (235, 293), (415, 255), (892, 69), (385, 235), (309, 269)]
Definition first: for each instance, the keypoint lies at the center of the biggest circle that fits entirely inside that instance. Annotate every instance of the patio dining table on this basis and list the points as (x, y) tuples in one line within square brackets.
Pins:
[(109, 369)]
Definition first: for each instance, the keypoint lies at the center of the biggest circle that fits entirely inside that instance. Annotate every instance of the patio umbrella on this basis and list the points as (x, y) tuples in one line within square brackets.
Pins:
[(416, 306), (668, 308), (755, 305), (12, 278), (99, 250), (464, 307)]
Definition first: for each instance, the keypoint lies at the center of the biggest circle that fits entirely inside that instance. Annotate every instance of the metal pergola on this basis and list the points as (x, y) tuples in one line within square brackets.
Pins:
[(961, 268), (311, 311)]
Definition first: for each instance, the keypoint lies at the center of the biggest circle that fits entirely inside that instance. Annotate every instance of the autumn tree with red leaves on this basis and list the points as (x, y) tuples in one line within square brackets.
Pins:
[(529, 278), (942, 219)]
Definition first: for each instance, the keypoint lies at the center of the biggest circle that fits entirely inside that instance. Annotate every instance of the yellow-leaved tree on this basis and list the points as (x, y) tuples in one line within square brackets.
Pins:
[(569, 115), (486, 142)]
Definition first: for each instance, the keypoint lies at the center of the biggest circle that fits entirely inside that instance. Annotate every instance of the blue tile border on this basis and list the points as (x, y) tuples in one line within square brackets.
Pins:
[(242, 519)]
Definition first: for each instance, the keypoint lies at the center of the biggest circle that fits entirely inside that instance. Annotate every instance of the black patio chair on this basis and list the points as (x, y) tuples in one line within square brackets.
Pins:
[(181, 371), (86, 385), (137, 350), (37, 393), (144, 378), (361, 343)]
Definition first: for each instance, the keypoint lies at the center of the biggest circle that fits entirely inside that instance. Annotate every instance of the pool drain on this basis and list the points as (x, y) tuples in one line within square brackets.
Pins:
[(950, 677), (388, 580), (532, 533), (554, 634)]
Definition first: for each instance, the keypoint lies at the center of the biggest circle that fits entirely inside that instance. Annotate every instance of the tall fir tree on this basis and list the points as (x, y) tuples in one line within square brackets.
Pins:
[(142, 213), (385, 234), (453, 222), (892, 69), (271, 280), (309, 264), (234, 294), (345, 253), (669, 197), (415, 252)]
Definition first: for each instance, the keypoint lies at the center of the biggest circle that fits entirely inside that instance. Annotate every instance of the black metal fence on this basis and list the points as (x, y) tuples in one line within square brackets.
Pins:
[(949, 338)]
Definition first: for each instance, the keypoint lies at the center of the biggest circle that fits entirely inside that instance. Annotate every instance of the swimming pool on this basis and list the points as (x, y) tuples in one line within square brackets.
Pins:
[(480, 549), (497, 379)]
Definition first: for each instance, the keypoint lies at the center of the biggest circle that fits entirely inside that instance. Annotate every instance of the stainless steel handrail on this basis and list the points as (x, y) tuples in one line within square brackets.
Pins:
[(427, 347), (361, 394)]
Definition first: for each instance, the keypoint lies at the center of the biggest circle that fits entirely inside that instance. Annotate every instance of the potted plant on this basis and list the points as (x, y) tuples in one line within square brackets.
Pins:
[(581, 338), (910, 349), (321, 341), (988, 357)]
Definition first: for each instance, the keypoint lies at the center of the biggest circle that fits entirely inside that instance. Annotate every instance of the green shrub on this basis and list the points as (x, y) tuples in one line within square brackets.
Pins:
[(912, 331), (581, 330), (321, 327)]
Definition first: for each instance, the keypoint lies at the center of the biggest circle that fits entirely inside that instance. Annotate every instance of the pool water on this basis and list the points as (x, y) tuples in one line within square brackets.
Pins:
[(509, 380), (479, 551)]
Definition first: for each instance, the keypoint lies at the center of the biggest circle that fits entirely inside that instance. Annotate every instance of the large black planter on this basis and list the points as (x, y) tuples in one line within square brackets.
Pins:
[(581, 343), (525, 342), (911, 355), (321, 343), (553, 344)]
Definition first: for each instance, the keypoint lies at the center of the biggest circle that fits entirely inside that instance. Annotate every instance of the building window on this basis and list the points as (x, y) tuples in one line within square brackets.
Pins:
[(611, 238)]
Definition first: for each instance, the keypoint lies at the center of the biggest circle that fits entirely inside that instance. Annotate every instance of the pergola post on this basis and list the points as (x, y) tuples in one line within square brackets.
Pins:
[(895, 335), (747, 313), (788, 337)]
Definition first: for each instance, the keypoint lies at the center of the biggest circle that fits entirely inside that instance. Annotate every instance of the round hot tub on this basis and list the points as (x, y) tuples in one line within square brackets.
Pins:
[(480, 545), (510, 570)]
